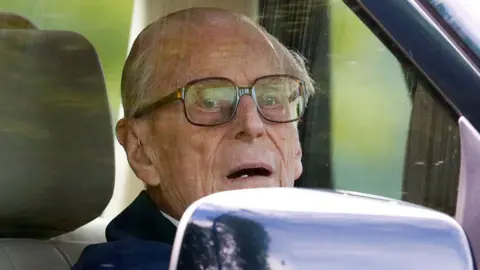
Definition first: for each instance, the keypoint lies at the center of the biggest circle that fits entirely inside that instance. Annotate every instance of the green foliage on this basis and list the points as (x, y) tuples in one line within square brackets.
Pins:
[(370, 108)]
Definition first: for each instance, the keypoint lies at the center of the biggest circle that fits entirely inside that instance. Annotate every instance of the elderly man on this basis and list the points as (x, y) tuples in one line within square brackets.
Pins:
[(211, 104)]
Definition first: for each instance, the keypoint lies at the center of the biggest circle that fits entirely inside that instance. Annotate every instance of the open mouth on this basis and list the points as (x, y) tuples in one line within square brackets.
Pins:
[(249, 172)]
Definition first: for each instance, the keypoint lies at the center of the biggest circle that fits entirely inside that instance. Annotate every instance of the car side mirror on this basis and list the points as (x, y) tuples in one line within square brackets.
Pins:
[(291, 228)]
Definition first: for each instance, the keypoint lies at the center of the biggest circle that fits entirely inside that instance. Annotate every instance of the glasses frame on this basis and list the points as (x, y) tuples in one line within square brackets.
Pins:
[(180, 93)]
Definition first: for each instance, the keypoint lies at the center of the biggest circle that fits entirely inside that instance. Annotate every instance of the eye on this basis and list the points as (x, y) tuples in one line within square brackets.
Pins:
[(269, 100), (208, 104)]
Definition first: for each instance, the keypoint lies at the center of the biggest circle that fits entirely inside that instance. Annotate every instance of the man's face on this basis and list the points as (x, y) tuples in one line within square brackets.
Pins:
[(246, 152)]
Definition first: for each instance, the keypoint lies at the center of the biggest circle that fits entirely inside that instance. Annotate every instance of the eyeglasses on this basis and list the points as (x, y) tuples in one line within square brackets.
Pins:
[(214, 101)]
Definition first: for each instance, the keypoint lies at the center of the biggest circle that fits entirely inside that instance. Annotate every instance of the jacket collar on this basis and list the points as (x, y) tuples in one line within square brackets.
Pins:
[(141, 219)]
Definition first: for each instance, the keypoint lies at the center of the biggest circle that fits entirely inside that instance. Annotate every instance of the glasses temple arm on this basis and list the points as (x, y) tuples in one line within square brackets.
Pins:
[(170, 98)]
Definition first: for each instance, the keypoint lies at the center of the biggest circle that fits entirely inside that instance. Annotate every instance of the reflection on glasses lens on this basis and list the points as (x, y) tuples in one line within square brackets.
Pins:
[(213, 101), (210, 101), (280, 98)]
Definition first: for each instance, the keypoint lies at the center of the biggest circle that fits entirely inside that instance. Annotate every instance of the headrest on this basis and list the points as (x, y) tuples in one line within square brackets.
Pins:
[(56, 136), (10, 20)]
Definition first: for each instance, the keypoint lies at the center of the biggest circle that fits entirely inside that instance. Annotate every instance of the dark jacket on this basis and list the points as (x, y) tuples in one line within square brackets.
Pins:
[(138, 238)]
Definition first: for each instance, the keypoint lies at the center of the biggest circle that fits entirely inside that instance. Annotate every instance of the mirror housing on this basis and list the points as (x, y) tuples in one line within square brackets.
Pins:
[(292, 228)]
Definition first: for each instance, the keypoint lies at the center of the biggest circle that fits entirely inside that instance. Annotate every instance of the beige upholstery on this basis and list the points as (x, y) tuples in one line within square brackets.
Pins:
[(38, 255), (56, 141), (93, 232)]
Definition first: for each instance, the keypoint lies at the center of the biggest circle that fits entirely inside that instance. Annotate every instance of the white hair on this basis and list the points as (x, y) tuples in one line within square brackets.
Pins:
[(138, 77)]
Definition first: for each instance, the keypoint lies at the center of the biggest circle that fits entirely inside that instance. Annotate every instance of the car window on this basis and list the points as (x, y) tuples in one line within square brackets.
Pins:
[(374, 125), (371, 108)]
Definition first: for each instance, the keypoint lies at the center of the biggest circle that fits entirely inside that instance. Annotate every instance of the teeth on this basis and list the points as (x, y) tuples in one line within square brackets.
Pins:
[(243, 176)]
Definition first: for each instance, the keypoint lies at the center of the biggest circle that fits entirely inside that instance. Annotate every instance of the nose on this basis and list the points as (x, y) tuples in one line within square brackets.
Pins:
[(248, 122)]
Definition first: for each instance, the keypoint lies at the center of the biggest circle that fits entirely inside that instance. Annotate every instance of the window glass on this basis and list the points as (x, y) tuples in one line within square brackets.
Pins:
[(371, 109), (384, 129), (432, 161), (366, 130)]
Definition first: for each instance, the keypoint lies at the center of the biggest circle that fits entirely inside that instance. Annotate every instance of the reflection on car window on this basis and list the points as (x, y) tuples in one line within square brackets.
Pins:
[(377, 120), (463, 17), (432, 162), (360, 132)]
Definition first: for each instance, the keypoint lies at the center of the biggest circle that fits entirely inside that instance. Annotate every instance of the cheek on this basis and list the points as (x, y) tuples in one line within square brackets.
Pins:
[(298, 170), (288, 139), (296, 153), (201, 139), (203, 145), (190, 154), (167, 153)]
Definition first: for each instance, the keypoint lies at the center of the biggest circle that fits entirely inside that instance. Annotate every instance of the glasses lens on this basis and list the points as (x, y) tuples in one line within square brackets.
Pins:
[(210, 101), (279, 98)]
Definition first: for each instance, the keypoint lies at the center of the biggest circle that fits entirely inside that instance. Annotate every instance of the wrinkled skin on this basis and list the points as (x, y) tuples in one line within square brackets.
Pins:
[(181, 162)]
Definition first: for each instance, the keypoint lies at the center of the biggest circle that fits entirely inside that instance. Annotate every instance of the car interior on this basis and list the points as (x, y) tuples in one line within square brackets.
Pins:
[(64, 176)]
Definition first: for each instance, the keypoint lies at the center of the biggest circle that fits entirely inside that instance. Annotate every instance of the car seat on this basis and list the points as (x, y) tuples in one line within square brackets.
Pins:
[(56, 148)]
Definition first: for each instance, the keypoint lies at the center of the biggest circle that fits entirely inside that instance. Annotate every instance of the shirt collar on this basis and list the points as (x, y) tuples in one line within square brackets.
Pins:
[(171, 219)]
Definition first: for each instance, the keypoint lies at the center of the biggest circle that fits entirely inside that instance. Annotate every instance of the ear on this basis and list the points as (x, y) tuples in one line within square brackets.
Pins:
[(298, 162), (132, 134)]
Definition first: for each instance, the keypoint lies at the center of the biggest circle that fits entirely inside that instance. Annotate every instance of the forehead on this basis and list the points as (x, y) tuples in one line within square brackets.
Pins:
[(241, 53), (239, 60)]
